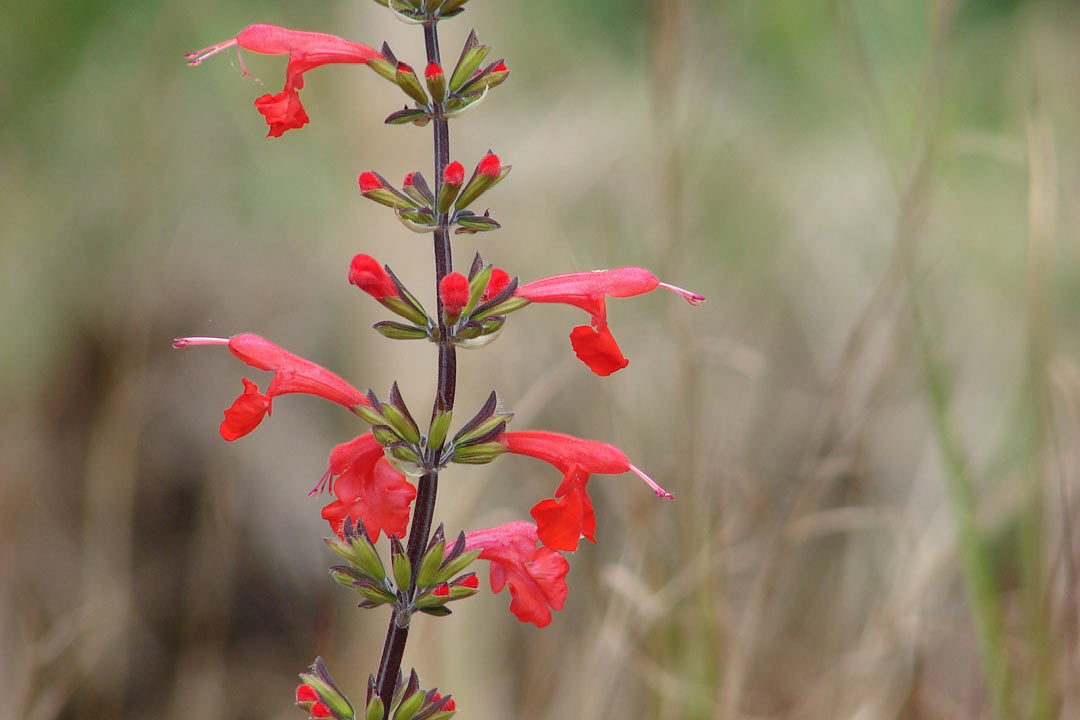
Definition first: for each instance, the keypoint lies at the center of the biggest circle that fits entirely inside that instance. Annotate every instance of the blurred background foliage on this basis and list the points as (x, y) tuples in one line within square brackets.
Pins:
[(871, 426)]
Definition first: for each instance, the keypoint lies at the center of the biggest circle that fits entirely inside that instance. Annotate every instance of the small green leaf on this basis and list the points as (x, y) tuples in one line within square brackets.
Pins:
[(400, 331), (439, 427)]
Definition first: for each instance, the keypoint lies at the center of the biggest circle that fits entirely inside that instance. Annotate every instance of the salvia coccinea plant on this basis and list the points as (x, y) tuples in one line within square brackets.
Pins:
[(384, 481)]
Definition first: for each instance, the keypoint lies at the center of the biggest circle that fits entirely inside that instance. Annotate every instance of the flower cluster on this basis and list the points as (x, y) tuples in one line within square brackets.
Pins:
[(383, 481), (369, 488)]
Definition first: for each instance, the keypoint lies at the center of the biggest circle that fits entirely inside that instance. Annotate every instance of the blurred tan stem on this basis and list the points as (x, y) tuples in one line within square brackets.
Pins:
[(1042, 202), (111, 471), (702, 644)]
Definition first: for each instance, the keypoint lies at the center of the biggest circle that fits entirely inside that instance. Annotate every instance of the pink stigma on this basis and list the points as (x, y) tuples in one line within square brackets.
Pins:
[(660, 492), (692, 298), (184, 342)]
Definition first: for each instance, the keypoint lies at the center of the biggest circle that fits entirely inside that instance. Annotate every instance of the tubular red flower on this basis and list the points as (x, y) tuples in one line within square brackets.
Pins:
[(306, 50), (366, 273), (368, 489), (562, 521), (595, 345), (292, 374), (454, 291), (536, 575)]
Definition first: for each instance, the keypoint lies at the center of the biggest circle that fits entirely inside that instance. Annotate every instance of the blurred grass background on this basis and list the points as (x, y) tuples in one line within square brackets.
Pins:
[(871, 426)]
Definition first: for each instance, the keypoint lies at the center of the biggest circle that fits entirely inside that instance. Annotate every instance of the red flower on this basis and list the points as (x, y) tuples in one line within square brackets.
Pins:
[(292, 374), (561, 522), (454, 291), (537, 575), (595, 345), (319, 711), (366, 273), (306, 50), (368, 489), (433, 70)]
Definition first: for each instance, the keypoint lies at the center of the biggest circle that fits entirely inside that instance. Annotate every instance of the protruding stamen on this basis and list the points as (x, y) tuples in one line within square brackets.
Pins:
[(692, 298), (184, 342), (660, 492), (326, 482), (196, 57)]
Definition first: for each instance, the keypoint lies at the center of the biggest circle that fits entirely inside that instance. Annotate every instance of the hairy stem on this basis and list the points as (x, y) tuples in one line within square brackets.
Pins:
[(427, 488)]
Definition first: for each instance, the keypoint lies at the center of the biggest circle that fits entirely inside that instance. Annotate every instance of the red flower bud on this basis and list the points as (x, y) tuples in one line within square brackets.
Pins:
[(454, 174), (407, 182), (306, 696), (454, 291), (470, 581), (441, 590), (366, 273), (489, 166), (318, 710), (432, 71), (369, 181), (403, 67), (450, 704), (497, 283), (499, 68)]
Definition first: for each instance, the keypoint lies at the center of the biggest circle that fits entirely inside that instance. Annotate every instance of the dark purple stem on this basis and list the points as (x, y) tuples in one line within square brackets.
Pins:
[(427, 488)]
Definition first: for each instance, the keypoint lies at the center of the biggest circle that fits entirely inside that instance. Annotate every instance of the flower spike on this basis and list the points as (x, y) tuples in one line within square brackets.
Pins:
[(292, 374), (595, 345), (306, 50)]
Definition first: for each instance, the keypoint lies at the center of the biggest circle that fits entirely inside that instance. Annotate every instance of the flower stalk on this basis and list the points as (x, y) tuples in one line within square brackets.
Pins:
[(370, 474), (428, 487)]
